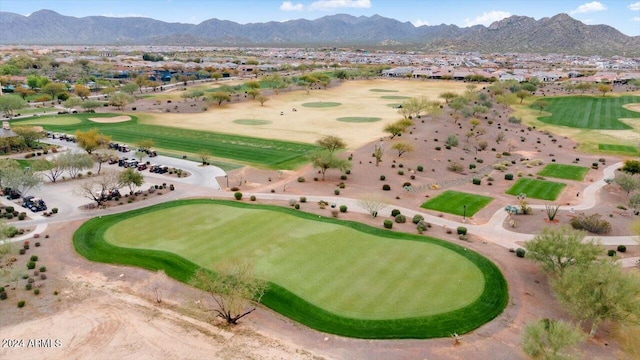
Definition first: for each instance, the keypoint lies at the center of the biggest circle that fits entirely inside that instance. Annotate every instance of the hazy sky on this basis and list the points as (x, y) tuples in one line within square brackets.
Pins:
[(624, 15)]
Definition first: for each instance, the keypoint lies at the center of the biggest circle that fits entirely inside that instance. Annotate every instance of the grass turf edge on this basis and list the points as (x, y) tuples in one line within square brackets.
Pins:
[(88, 241)]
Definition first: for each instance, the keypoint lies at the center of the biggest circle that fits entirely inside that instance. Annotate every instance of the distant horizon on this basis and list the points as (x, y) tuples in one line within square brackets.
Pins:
[(622, 15)]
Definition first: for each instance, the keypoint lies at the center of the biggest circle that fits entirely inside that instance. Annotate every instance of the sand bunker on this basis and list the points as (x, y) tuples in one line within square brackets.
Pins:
[(632, 107), (115, 119)]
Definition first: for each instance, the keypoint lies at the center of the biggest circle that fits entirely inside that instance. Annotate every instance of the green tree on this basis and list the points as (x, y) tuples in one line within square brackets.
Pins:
[(604, 89), (54, 89), (582, 87), (234, 289), (541, 104), (23, 180), (522, 94), (599, 291), (325, 160), (331, 143), (75, 162), (145, 144), (262, 99), (72, 102), (129, 88), (557, 248), (448, 96), (81, 91), (627, 182), (340, 74), (204, 155), (29, 134), (378, 151), (7, 166), (120, 100), (10, 103), (91, 105), (219, 97), (253, 93), (131, 179), (91, 140), (253, 85), (402, 147), (546, 339), (631, 167)]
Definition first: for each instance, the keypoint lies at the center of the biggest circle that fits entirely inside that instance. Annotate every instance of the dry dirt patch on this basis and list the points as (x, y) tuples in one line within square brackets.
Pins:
[(108, 120)]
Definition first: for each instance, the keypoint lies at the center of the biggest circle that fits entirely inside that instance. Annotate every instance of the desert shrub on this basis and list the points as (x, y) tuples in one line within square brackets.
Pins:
[(400, 172), (37, 244), (622, 248), (31, 265), (43, 276), (515, 120), (520, 252), (303, 199), (3, 295), (343, 208), (472, 166), (417, 218), (1, 289), (438, 148), (452, 140), (252, 198), (343, 177), (22, 216), (476, 181), (611, 252), (235, 188), (395, 212), (9, 209), (22, 251), (386, 187), (292, 202), (334, 213), (36, 291), (388, 224), (461, 230), (34, 258), (382, 177), (28, 286), (593, 223), (342, 185), (422, 226), (296, 206), (479, 161), (400, 219), (508, 176), (455, 167), (237, 195), (336, 191), (9, 216), (21, 303), (301, 179), (419, 168)]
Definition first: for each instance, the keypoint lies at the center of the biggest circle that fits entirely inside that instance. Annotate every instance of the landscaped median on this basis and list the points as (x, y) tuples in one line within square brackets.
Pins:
[(335, 276)]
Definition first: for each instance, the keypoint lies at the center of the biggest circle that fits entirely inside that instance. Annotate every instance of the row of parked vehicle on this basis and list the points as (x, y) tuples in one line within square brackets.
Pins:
[(30, 202), (125, 148), (61, 136), (140, 166)]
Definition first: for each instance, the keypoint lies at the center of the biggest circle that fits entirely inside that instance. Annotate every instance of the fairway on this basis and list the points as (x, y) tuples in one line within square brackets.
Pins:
[(321, 104), (395, 97), (260, 152), (454, 202), (251, 122), (590, 112), (354, 119), (568, 172), (618, 148), (336, 276), (537, 189)]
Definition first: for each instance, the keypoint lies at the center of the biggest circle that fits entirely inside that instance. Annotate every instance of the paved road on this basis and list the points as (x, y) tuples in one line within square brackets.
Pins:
[(202, 183)]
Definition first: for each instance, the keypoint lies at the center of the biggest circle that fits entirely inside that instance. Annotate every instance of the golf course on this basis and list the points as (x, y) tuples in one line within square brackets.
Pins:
[(335, 276)]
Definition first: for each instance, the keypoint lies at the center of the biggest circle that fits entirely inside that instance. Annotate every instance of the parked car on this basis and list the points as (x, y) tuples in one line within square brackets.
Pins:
[(12, 194), (34, 204), (142, 167)]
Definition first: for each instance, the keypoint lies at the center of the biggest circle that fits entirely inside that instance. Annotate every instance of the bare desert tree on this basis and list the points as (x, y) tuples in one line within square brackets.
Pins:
[(97, 189), (234, 289), (372, 203)]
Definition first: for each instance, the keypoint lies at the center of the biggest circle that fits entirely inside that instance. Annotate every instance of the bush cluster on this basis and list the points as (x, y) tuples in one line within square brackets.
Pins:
[(520, 252), (461, 230), (455, 167), (388, 224), (400, 219), (593, 223)]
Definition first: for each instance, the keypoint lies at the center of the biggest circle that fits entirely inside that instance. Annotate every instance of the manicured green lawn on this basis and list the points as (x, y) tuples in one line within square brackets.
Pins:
[(560, 171), (262, 152), (335, 276), (618, 148), (356, 119), (395, 97), (382, 90), (453, 202), (321, 104), (251, 122), (537, 189), (589, 112)]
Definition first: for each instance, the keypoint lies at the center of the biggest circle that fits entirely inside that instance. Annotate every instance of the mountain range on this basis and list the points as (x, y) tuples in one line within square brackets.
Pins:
[(558, 34)]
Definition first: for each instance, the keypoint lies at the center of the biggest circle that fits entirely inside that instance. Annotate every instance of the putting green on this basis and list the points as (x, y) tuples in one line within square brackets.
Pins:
[(322, 104), (251, 122), (336, 276), (356, 119), (382, 90), (395, 97)]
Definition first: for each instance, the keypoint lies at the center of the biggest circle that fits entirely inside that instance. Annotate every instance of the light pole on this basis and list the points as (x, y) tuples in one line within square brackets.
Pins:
[(464, 213)]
